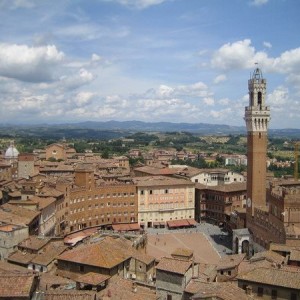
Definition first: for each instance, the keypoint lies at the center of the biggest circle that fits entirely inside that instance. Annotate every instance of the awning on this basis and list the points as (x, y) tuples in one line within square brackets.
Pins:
[(126, 227), (73, 241), (192, 222), (181, 223)]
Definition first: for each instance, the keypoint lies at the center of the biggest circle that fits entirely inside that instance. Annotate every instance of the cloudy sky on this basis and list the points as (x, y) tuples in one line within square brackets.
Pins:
[(149, 60)]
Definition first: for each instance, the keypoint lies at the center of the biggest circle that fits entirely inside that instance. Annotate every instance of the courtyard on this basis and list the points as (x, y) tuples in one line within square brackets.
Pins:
[(208, 242)]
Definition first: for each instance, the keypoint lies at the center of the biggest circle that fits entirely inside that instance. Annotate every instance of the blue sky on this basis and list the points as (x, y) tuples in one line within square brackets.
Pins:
[(149, 60)]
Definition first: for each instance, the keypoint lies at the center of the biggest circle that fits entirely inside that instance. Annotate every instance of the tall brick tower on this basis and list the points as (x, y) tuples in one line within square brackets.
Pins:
[(257, 117)]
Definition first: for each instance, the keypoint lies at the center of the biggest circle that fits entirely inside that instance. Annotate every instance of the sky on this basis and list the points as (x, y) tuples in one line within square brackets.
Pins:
[(148, 60)]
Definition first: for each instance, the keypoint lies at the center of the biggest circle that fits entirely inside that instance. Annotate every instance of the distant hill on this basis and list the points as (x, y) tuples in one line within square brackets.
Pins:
[(162, 127), (116, 129)]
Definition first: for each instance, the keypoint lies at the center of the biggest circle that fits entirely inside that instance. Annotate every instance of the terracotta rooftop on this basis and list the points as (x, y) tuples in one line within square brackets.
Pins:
[(107, 253), (219, 290), (21, 258), (268, 255), (160, 181), (191, 171), (92, 278), (246, 266), (48, 281), (287, 278), (68, 295), (183, 252), (281, 247), (8, 227), (232, 187), (16, 285), (8, 267), (156, 171), (34, 243), (17, 215), (119, 288), (295, 255), (43, 202), (49, 192), (49, 253), (174, 265), (230, 261)]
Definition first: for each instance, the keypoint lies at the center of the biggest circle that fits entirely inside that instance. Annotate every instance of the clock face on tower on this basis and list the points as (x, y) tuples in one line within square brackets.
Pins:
[(248, 202)]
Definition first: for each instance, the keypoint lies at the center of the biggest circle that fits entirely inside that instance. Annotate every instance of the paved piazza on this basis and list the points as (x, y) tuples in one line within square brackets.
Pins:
[(207, 241)]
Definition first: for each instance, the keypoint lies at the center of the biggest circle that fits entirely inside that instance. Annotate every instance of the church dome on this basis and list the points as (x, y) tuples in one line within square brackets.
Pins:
[(11, 152)]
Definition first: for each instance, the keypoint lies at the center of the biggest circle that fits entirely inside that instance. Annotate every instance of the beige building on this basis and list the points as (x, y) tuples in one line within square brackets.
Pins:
[(59, 151), (209, 177), (161, 199), (26, 165)]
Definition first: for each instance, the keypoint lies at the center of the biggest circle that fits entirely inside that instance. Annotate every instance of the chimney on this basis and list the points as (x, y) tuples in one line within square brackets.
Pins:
[(134, 287), (249, 290)]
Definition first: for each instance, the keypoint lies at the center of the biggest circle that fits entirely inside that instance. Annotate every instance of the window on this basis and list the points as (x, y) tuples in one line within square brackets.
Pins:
[(166, 191), (274, 294), (260, 291), (294, 296), (169, 297), (142, 192), (150, 192)]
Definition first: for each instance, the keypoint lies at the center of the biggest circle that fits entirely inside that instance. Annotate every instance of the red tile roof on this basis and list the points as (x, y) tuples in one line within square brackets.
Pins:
[(16, 285), (174, 265)]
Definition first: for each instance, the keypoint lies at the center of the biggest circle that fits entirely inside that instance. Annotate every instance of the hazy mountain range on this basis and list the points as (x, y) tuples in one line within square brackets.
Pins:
[(114, 129)]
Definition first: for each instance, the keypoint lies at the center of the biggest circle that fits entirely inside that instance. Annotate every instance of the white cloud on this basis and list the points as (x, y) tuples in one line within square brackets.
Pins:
[(90, 32), (96, 57), (17, 4), (259, 2), (83, 98), (165, 91), (267, 44), (242, 55), (77, 80), (31, 64), (278, 98), (288, 61), (198, 89), (220, 78), (209, 101), (139, 4), (224, 101), (221, 115), (238, 55)]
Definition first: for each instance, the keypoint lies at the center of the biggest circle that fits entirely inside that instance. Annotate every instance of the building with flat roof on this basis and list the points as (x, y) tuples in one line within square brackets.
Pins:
[(162, 199)]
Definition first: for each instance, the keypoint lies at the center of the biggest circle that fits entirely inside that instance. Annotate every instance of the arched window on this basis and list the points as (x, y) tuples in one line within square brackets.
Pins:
[(259, 99)]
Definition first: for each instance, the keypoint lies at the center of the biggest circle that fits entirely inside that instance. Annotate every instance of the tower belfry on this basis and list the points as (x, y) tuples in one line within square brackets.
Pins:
[(257, 117)]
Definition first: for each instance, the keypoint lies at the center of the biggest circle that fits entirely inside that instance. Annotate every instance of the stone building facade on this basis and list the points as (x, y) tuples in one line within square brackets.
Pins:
[(26, 165), (217, 203), (91, 204), (161, 199)]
